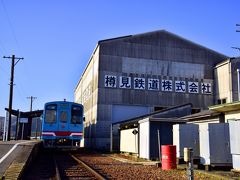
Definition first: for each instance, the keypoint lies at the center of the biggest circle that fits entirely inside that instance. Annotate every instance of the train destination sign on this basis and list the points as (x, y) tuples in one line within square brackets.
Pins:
[(153, 84)]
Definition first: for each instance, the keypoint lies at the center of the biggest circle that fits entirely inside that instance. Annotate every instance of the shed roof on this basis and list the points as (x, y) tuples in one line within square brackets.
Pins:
[(28, 114), (151, 119), (153, 116), (234, 106), (201, 115)]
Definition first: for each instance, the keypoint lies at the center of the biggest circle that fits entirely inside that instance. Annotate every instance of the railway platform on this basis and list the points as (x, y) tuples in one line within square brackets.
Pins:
[(15, 155)]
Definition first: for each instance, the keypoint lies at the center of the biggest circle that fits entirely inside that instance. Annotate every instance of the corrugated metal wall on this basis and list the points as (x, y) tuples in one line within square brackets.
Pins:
[(123, 112), (158, 54)]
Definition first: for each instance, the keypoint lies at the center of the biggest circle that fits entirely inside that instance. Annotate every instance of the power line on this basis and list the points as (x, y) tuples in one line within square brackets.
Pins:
[(10, 25), (20, 92), (4, 70), (3, 47)]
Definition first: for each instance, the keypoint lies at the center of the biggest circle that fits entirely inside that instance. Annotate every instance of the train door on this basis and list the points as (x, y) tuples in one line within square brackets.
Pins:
[(64, 116), (76, 124)]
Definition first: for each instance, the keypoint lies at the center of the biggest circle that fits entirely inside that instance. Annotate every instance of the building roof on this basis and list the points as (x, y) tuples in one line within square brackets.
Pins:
[(163, 31), (229, 60)]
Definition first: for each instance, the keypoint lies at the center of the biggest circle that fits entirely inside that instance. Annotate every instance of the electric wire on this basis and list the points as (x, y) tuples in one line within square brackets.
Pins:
[(20, 94), (20, 91), (10, 25), (5, 71), (2, 49)]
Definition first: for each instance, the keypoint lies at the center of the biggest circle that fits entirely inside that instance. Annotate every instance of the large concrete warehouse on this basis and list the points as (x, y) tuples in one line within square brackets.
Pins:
[(138, 74)]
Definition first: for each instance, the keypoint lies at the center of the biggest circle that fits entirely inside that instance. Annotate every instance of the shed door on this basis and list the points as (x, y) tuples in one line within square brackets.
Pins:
[(144, 140), (129, 140), (219, 143), (234, 127)]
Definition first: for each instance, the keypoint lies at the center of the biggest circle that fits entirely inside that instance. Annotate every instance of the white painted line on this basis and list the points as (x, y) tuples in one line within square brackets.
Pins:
[(48, 133), (76, 134), (10, 151)]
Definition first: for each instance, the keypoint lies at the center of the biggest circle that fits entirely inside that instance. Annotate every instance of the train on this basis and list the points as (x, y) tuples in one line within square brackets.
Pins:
[(62, 124)]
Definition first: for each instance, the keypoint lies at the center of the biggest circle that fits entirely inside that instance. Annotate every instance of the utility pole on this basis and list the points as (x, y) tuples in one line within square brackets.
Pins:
[(237, 48), (11, 92), (238, 29), (31, 102)]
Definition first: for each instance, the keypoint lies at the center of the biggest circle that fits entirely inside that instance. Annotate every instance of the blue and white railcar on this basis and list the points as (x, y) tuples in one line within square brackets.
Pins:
[(62, 124)]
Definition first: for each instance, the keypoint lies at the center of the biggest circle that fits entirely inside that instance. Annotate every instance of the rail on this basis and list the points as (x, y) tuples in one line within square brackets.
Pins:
[(95, 173)]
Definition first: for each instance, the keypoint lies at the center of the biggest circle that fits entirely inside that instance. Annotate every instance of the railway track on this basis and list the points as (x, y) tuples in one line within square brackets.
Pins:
[(42, 167), (60, 165), (70, 167)]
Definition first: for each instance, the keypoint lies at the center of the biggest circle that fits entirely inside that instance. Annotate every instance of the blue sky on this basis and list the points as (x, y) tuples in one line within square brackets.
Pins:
[(56, 37)]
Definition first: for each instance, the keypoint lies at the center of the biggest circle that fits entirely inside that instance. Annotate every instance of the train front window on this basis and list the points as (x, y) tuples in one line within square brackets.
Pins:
[(51, 113), (63, 116), (77, 112)]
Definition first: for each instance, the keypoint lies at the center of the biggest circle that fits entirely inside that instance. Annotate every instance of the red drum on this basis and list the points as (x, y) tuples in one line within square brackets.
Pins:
[(168, 157)]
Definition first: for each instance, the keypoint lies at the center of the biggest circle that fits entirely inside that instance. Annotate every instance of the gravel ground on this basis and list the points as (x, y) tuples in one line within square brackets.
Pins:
[(121, 170)]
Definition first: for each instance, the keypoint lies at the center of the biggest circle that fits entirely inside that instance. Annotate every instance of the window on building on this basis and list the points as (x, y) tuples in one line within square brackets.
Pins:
[(195, 110), (157, 108), (222, 101)]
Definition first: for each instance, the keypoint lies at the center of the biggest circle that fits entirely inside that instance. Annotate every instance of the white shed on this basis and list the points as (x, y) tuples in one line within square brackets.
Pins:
[(149, 140)]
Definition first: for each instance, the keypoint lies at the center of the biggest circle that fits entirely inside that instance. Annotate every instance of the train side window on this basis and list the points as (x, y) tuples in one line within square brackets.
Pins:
[(51, 113), (76, 112), (63, 116)]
